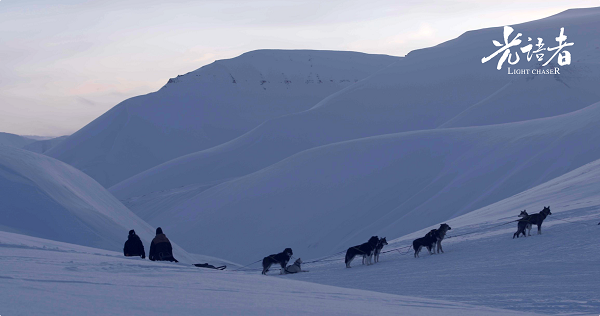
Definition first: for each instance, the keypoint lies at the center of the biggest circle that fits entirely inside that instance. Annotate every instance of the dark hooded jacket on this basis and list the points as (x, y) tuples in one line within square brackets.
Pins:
[(160, 248), (133, 246)]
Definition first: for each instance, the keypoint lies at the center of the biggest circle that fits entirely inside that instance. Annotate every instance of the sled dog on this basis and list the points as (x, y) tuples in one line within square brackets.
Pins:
[(440, 234), (365, 250), (382, 242), (428, 242), (538, 219), (523, 224), (294, 268), (282, 258)]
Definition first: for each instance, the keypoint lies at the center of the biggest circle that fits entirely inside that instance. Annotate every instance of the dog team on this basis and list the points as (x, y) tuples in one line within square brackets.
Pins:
[(370, 250)]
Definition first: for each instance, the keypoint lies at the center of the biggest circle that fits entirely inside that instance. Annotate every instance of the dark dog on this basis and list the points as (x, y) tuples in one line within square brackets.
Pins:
[(428, 242), (365, 250), (382, 242), (440, 234), (523, 224), (282, 258), (538, 219)]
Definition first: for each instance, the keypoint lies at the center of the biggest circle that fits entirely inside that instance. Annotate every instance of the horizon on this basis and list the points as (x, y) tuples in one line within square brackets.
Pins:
[(90, 57)]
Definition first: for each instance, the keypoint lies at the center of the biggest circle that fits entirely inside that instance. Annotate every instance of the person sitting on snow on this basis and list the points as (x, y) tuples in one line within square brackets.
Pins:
[(133, 246), (160, 248)]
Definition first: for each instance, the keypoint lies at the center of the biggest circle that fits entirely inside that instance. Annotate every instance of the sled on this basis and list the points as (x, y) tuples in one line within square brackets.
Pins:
[(209, 266)]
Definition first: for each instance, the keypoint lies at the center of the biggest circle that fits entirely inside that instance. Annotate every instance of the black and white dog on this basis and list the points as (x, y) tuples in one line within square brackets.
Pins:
[(428, 242), (523, 224), (382, 242), (365, 250), (440, 234), (282, 258)]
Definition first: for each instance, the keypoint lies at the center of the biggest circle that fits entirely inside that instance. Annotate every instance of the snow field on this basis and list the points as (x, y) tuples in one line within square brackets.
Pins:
[(73, 280)]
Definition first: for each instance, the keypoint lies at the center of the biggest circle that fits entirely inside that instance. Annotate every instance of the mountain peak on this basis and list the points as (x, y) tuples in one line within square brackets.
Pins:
[(209, 106)]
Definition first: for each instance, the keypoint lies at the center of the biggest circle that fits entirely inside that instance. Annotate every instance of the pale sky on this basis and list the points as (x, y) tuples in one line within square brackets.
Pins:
[(64, 62)]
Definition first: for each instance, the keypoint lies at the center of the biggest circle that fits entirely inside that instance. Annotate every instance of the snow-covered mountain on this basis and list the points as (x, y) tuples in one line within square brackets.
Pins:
[(209, 106), (42, 146), (438, 87), (14, 140), (326, 178), (340, 194), (434, 137), (43, 197), (554, 274)]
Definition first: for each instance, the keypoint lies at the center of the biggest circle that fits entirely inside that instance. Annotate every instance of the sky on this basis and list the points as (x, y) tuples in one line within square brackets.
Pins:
[(64, 62)]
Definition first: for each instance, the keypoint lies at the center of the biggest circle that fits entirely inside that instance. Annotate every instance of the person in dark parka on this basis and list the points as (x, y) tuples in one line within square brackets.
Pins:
[(160, 248), (133, 246)]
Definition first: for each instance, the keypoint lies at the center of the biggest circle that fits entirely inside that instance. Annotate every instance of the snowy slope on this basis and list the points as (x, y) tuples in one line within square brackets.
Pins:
[(43, 197), (209, 106), (340, 194), (71, 280), (41, 146), (576, 191), (547, 274), (443, 86), (554, 273), (14, 140)]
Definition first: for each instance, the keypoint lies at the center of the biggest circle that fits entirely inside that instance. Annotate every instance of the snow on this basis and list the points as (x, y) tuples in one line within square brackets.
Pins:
[(37, 137), (480, 271), (318, 151), (43, 197), (321, 200), (429, 138), (209, 106), (439, 87), (13, 140), (74, 280), (43, 145), (552, 273)]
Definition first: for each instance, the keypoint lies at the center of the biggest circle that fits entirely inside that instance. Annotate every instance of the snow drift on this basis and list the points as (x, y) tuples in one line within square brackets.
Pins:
[(46, 198)]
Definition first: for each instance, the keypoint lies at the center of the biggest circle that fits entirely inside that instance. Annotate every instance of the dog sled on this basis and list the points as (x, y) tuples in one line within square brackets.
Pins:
[(209, 266)]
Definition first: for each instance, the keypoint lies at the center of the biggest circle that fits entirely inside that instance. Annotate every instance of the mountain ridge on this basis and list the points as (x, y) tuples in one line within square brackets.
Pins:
[(442, 86), (204, 108)]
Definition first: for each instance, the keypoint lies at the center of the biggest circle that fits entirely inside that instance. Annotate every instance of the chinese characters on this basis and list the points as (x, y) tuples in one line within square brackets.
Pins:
[(564, 56)]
